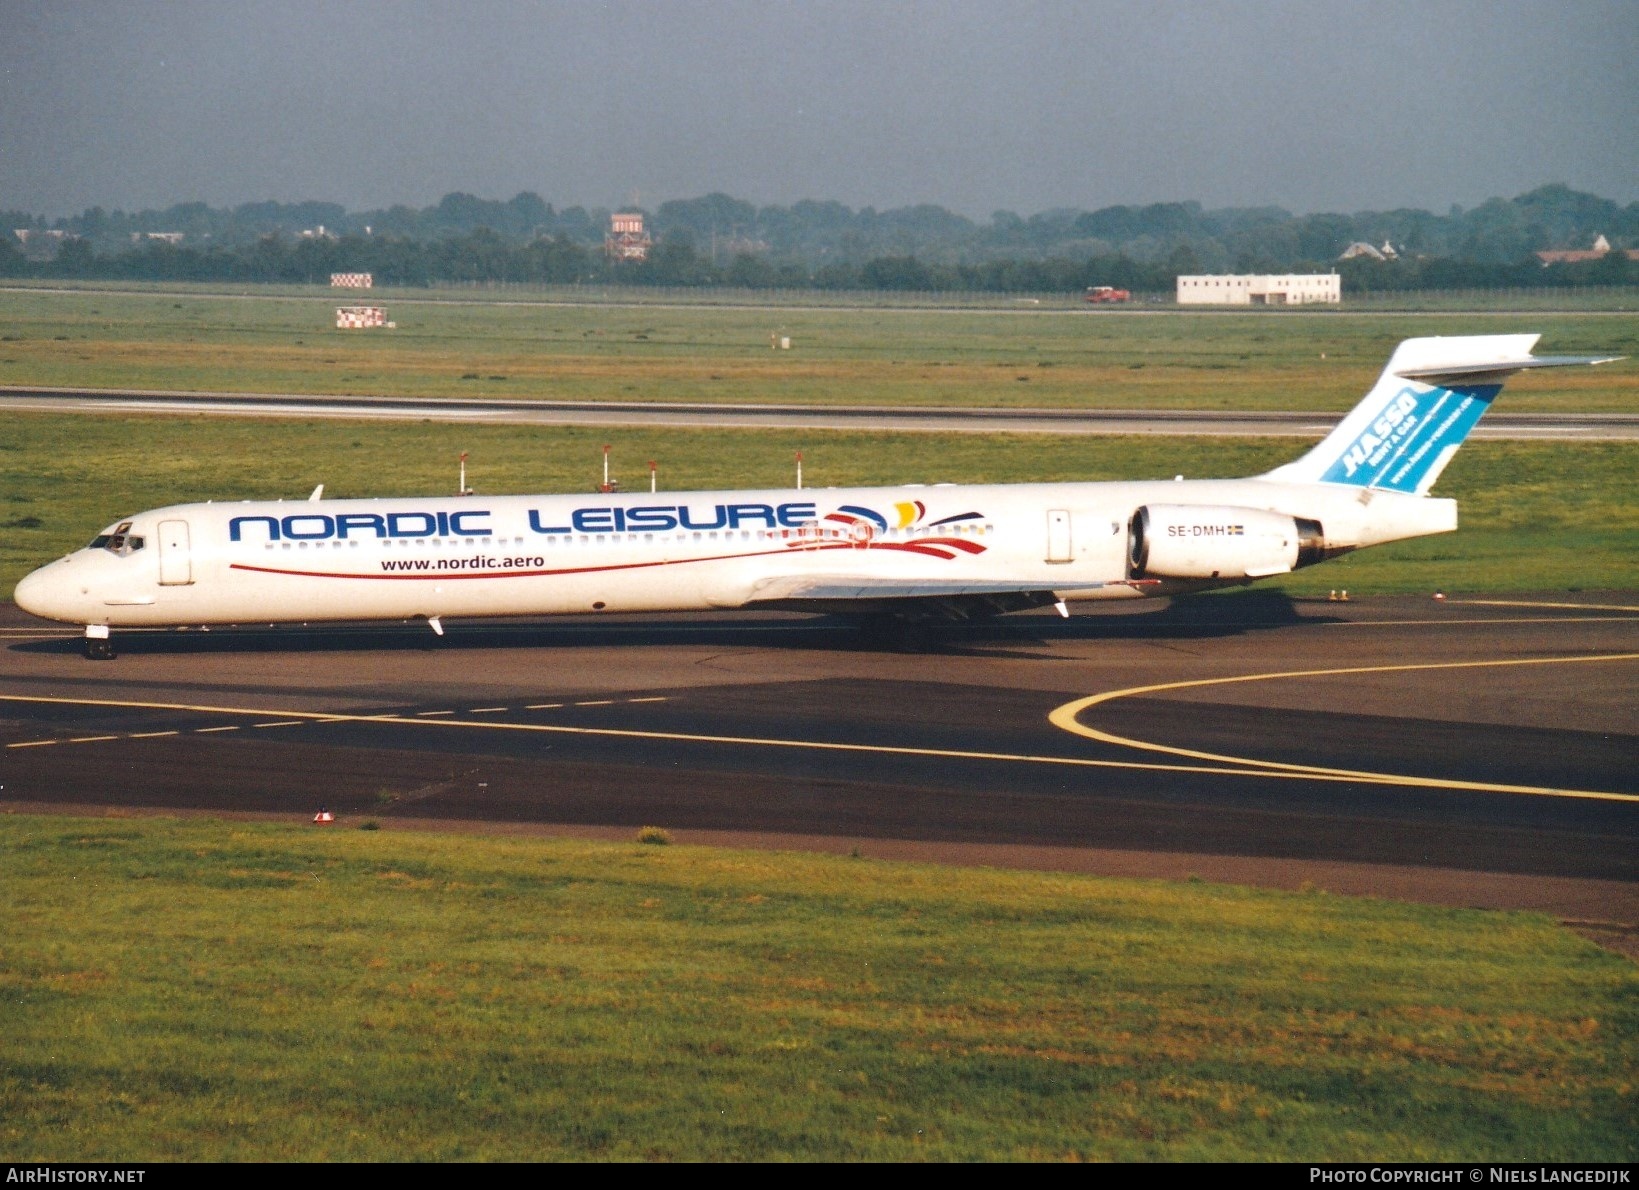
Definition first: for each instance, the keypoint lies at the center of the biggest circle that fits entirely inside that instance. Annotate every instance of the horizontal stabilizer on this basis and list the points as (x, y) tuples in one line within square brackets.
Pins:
[(1440, 373)]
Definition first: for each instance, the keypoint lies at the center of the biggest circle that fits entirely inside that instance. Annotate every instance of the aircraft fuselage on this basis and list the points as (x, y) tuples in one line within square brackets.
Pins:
[(287, 561)]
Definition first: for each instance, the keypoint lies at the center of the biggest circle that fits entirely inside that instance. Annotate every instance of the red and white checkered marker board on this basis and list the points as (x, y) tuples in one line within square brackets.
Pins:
[(356, 317), (352, 280)]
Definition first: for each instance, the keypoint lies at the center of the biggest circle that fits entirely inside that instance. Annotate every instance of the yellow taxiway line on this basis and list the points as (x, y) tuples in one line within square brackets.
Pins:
[(1067, 717), (1592, 607), (1216, 769)]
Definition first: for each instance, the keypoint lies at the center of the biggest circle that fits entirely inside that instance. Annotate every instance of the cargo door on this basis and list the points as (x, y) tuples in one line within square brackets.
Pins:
[(1058, 535), (175, 558)]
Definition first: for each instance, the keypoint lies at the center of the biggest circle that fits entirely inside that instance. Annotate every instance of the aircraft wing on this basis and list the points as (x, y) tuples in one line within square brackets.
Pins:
[(952, 599)]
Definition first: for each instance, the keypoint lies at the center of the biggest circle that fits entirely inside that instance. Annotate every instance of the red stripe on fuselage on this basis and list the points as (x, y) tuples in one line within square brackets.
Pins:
[(440, 575), (929, 547)]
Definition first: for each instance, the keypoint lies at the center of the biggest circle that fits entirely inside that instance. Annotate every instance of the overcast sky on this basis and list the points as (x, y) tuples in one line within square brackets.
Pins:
[(977, 105)]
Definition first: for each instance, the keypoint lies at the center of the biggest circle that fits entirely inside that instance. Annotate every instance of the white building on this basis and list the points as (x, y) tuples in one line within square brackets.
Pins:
[(39, 244), (1293, 289), (1360, 248)]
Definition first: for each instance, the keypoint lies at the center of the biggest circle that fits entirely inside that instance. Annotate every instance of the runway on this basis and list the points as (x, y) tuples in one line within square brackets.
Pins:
[(1251, 423), (1474, 752)]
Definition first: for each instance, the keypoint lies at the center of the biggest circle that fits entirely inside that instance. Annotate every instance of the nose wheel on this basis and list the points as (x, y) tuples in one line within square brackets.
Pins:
[(97, 645)]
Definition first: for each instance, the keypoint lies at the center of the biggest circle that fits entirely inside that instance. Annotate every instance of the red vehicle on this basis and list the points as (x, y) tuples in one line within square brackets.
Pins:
[(1107, 293)]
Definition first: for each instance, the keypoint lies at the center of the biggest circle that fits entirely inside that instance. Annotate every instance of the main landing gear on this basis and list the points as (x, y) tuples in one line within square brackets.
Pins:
[(97, 645)]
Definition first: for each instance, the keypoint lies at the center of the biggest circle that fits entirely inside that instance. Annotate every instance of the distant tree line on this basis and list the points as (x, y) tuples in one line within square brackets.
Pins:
[(718, 240)]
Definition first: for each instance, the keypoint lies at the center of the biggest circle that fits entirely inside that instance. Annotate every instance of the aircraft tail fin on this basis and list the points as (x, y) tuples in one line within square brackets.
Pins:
[(1408, 427)]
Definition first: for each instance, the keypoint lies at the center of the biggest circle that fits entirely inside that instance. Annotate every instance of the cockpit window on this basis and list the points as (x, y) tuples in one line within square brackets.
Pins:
[(121, 541)]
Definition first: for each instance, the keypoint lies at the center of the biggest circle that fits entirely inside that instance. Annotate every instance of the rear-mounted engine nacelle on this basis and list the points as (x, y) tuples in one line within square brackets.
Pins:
[(1206, 541)]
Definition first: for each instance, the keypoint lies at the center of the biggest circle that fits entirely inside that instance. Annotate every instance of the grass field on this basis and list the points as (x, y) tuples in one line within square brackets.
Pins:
[(201, 991), (1536, 516), (273, 341), (1615, 299)]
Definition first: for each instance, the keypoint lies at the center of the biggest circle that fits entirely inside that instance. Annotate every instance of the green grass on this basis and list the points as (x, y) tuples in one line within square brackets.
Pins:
[(1605, 299), (1536, 516), (199, 991), (271, 340)]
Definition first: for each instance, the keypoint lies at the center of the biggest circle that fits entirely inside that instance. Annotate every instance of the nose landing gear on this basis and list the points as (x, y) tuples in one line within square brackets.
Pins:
[(97, 645)]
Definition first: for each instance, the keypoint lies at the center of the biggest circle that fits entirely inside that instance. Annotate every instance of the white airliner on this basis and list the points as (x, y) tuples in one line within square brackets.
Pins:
[(940, 552)]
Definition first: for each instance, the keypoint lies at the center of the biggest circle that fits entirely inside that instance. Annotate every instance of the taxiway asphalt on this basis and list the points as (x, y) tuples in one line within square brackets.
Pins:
[(1469, 751)]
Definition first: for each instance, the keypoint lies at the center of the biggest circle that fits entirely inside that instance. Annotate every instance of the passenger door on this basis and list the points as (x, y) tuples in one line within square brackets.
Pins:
[(175, 558), (1058, 535)]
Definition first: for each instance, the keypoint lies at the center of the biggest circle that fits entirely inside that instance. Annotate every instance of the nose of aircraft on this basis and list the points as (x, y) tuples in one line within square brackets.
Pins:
[(39, 595)]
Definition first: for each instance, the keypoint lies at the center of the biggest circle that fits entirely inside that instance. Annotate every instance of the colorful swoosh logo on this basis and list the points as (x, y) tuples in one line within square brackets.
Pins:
[(861, 525)]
